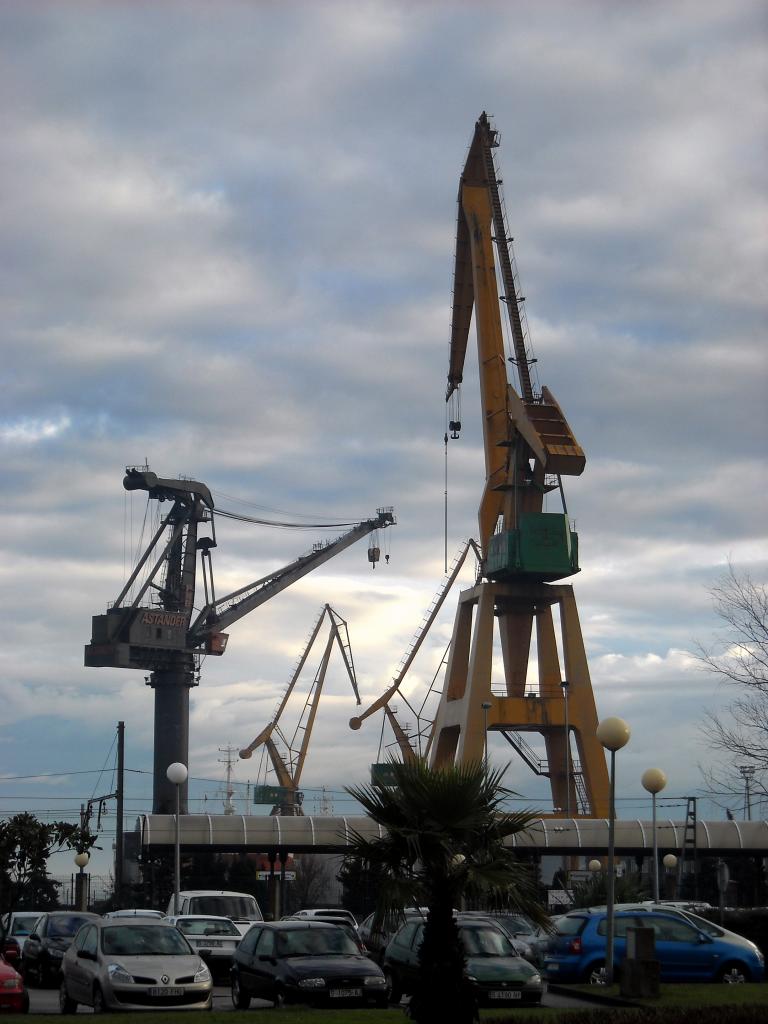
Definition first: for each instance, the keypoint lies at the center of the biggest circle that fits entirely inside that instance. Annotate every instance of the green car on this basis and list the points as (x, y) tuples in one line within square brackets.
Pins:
[(498, 975)]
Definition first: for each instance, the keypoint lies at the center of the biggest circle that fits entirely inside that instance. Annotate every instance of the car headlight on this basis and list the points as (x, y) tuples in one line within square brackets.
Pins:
[(535, 979), (471, 977), (375, 980), (312, 983), (202, 973), (118, 974)]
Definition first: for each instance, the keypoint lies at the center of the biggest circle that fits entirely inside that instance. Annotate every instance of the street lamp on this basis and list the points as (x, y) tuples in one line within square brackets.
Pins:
[(613, 733), (564, 685), (669, 860), (177, 774), (654, 780), (486, 706), (81, 881), (595, 865)]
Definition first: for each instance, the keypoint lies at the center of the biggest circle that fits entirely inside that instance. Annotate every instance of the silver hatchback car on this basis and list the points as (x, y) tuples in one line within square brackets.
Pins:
[(141, 964)]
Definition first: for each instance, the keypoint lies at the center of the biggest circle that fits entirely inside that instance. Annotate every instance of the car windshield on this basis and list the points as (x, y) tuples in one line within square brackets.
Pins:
[(64, 927), (703, 924), (143, 940), (486, 942), (241, 908), (23, 925), (206, 926), (516, 924), (314, 942)]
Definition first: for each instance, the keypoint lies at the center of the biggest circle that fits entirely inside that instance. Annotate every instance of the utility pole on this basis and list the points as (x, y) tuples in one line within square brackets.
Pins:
[(229, 807), (119, 837)]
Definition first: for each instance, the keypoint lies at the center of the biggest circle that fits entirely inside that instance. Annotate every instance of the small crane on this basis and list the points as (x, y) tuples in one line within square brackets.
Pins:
[(166, 638), (288, 768)]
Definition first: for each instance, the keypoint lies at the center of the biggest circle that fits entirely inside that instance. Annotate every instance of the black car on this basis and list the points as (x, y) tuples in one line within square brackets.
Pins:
[(303, 961), (46, 946)]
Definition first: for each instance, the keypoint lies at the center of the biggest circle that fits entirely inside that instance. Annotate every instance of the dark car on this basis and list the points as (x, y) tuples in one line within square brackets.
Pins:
[(576, 952), (303, 961), (376, 938), (497, 974), (46, 946)]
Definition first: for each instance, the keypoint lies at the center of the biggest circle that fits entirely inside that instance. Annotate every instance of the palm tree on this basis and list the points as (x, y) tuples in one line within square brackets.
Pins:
[(444, 844)]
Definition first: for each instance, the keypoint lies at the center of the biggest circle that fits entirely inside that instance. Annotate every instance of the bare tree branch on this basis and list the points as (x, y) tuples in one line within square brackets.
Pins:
[(739, 658)]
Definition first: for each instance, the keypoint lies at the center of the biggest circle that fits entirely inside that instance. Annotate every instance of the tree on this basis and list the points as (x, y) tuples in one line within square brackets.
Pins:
[(25, 846), (740, 660), (593, 891), (444, 843)]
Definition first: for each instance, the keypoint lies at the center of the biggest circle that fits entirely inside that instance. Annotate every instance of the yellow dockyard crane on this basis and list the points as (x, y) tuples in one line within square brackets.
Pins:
[(528, 447)]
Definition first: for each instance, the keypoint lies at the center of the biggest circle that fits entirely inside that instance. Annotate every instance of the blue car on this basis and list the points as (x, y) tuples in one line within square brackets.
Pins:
[(576, 952)]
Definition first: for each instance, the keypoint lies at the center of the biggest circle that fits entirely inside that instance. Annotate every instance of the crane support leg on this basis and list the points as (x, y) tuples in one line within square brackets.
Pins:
[(541, 707), (171, 686)]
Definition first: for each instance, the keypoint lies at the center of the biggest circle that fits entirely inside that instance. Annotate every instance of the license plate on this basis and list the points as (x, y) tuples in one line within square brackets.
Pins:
[(346, 993), (510, 994), (166, 992), (210, 944)]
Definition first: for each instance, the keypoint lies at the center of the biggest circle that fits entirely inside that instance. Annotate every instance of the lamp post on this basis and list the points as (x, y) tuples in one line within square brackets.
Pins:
[(594, 865), (613, 733), (654, 780), (669, 860), (564, 685), (177, 774), (486, 706), (81, 881)]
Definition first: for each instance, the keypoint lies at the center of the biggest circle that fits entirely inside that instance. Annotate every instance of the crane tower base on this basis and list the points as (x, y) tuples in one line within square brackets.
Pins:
[(557, 701)]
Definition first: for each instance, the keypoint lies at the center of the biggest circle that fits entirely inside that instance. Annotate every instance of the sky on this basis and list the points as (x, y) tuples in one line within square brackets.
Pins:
[(226, 237)]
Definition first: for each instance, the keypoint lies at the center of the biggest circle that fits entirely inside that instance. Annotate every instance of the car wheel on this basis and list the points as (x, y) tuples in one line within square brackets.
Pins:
[(595, 973), (279, 999), (66, 1005), (98, 1000), (240, 999), (394, 987), (733, 974)]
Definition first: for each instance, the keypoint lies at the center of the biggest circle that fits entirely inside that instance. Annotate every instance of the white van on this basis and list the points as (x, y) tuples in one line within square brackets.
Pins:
[(239, 907)]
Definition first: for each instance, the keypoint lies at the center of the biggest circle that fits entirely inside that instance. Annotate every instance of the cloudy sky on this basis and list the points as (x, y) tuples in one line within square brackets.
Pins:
[(227, 241)]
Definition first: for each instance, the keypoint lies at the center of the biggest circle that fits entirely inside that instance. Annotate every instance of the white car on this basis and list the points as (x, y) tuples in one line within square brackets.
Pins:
[(239, 907), (214, 938), (331, 914)]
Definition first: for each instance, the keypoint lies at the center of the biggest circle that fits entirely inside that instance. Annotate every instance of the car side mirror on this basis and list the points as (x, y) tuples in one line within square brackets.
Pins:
[(34, 937), (704, 938)]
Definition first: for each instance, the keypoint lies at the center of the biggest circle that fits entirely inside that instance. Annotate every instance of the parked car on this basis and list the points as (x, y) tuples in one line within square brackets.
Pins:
[(46, 946), (11, 952), (214, 938), (328, 914), (239, 907), (13, 996), (576, 952), (497, 974), (377, 938), (19, 924), (681, 911), (144, 964), (303, 961)]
